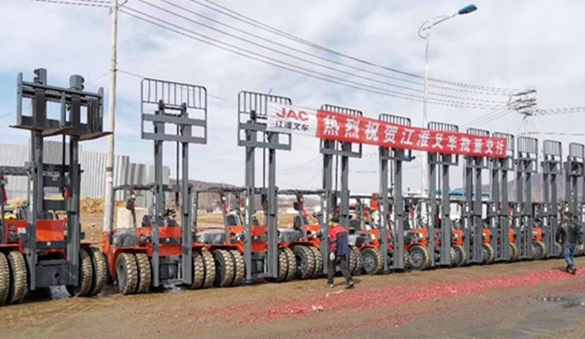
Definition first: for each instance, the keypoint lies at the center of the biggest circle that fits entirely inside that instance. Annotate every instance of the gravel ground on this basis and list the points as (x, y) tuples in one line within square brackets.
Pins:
[(520, 300)]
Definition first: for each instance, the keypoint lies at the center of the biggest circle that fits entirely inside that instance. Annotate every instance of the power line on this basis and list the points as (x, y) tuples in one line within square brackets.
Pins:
[(293, 68), (238, 16), (304, 52), (86, 3), (305, 60)]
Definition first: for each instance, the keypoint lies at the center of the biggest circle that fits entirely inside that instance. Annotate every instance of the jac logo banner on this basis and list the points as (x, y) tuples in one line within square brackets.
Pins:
[(361, 130), (289, 119)]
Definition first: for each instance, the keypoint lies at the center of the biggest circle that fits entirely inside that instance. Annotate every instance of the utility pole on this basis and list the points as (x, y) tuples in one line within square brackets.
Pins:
[(109, 194)]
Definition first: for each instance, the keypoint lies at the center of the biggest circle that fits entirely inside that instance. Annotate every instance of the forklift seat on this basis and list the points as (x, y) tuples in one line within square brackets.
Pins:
[(299, 222)]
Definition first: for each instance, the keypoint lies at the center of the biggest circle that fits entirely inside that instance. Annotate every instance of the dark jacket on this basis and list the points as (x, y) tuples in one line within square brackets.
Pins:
[(338, 241), (569, 233)]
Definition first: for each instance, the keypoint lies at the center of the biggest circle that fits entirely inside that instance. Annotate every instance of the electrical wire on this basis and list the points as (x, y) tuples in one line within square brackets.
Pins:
[(293, 68), (238, 16), (86, 3), (285, 46)]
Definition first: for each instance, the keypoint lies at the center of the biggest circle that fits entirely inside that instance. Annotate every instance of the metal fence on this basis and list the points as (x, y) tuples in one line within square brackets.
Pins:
[(93, 165)]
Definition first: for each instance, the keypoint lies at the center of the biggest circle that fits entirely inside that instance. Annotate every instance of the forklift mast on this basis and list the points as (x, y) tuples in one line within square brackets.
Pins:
[(498, 213), (397, 157), (345, 150), (526, 165), (551, 168), (252, 134), (473, 201), (184, 107), (439, 164), (574, 168), (74, 102)]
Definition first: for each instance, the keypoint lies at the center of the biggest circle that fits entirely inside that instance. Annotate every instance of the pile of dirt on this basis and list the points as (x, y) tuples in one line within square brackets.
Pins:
[(87, 205)]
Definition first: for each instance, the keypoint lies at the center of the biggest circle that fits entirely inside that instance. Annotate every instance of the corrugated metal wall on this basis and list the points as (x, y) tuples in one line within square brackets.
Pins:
[(93, 165)]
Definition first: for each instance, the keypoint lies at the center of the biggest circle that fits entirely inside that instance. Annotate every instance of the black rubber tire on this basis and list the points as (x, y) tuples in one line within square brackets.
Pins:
[(406, 260), (144, 273), (462, 256), (4, 278), (489, 254), (291, 269), (352, 260), (127, 273), (198, 271), (453, 253), (514, 252), (359, 263), (109, 279), (85, 276), (239, 267), (305, 261), (318, 261), (18, 277), (99, 269), (373, 261), (282, 266), (420, 258), (540, 250), (210, 269), (224, 268)]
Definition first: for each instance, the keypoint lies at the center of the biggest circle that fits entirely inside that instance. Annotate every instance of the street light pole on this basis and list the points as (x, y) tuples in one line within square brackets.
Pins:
[(426, 27)]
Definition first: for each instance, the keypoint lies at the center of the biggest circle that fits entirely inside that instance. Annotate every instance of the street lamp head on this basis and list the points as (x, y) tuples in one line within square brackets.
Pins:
[(467, 9)]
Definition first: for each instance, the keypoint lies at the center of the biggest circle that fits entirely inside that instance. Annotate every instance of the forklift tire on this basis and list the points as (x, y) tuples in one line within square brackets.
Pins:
[(18, 277), (4, 278), (144, 273), (282, 266), (127, 273), (406, 260), (359, 263), (373, 262), (99, 271), (198, 271), (239, 267), (292, 264), (224, 268), (318, 261), (305, 261), (420, 258), (453, 253), (210, 269), (461, 255), (540, 250), (85, 276), (514, 252), (352, 260), (489, 254), (109, 279)]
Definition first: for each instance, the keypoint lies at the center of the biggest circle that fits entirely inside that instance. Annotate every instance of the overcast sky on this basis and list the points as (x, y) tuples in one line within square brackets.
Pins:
[(504, 44)]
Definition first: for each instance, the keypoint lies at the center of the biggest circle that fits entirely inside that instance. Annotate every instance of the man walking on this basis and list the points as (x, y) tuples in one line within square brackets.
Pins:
[(338, 252), (569, 234)]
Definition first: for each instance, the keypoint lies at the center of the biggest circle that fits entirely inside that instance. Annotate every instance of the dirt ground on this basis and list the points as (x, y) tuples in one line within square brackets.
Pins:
[(519, 300)]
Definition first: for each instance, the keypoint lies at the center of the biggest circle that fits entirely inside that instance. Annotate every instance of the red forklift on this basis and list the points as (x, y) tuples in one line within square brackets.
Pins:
[(38, 249), (161, 251)]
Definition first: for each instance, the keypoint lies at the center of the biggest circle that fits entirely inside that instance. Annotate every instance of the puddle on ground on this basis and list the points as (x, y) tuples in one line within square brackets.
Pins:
[(566, 302)]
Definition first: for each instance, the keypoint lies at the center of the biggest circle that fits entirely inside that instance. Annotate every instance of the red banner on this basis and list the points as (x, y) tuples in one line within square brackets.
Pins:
[(356, 129)]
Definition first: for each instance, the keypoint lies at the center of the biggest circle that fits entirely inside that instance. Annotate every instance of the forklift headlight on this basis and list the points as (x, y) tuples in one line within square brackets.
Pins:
[(419, 236), (483, 235), (455, 236), (241, 236), (534, 233), (372, 237)]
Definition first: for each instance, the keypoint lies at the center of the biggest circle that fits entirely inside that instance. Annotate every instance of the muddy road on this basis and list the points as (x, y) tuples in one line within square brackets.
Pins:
[(520, 300)]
